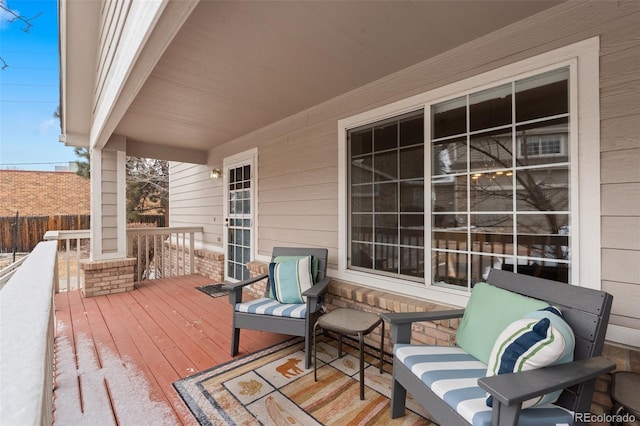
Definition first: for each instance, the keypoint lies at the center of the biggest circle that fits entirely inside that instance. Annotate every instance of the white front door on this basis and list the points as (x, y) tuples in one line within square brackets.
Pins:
[(239, 174)]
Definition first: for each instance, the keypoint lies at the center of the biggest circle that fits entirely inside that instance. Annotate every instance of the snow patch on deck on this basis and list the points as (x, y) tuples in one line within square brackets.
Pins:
[(87, 384)]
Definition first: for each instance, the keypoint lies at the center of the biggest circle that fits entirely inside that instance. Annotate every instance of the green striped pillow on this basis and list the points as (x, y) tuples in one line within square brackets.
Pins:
[(290, 278)]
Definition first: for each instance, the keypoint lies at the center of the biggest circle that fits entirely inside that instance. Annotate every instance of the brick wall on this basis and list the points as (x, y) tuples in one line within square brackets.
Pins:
[(34, 193), (206, 263)]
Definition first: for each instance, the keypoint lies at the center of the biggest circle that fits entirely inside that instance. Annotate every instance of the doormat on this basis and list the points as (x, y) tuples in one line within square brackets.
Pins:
[(213, 290), (271, 387)]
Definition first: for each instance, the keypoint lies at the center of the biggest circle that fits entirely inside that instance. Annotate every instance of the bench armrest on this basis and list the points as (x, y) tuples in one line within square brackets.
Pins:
[(401, 321), (314, 294), (515, 388), (235, 289)]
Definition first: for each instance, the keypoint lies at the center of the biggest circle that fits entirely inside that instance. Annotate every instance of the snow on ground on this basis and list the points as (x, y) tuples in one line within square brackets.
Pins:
[(126, 383)]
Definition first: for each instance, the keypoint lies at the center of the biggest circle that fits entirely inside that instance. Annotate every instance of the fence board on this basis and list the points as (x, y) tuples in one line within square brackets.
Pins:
[(31, 229)]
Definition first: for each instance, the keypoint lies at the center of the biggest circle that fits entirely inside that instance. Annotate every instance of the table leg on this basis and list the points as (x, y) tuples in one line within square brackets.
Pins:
[(361, 337), (382, 347), (315, 354)]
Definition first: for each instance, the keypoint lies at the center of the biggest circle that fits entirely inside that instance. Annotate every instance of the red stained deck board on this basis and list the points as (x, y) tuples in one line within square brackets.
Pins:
[(164, 328)]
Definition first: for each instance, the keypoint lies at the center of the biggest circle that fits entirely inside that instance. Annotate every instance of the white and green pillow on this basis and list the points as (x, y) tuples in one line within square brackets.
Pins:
[(290, 278), (541, 338)]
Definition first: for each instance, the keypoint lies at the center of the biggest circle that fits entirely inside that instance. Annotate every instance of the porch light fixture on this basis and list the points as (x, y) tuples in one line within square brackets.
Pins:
[(216, 173)]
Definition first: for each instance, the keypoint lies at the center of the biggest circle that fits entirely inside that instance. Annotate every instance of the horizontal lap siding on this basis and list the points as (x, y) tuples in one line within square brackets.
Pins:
[(297, 156), (619, 169), (196, 200)]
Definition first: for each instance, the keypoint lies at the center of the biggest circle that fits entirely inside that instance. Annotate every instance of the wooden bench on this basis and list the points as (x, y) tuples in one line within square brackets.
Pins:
[(585, 310)]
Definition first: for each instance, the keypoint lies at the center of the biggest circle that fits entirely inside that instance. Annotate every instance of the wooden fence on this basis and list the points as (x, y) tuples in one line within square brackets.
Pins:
[(31, 229)]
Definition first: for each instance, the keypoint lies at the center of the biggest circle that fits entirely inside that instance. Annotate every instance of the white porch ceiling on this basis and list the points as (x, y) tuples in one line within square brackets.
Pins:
[(235, 67)]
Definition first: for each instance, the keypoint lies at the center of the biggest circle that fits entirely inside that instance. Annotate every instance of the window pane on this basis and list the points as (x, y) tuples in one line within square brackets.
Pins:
[(449, 268), (543, 189), (412, 163), (449, 118), (386, 197), (490, 108), (448, 157), (543, 142), (449, 196), (412, 196), (361, 227), (362, 169), (412, 230), (412, 262), (385, 166), (480, 266), (544, 95), (386, 228), (362, 255), (492, 233), (386, 258), (385, 137), (362, 198), (361, 142), (492, 191), (491, 150), (412, 131), (544, 236)]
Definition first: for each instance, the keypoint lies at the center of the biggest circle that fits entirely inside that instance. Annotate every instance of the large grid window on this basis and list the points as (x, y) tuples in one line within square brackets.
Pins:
[(386, 184), (491, 208)]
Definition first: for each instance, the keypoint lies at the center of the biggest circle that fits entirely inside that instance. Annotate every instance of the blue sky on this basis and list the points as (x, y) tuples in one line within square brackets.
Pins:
[(29, 89)]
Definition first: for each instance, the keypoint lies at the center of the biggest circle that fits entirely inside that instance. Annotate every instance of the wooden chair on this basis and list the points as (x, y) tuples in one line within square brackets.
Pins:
[(585, 310), (271, 319)]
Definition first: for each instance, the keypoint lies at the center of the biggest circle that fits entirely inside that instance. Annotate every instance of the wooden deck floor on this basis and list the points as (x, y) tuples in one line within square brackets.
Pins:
[(118, 355)]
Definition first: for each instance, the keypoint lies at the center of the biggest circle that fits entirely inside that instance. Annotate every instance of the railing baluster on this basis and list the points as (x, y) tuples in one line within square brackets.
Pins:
[(68, 260), (191, 254)]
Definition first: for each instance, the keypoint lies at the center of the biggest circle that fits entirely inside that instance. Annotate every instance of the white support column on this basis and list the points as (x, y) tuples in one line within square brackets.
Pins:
[(108, 204)]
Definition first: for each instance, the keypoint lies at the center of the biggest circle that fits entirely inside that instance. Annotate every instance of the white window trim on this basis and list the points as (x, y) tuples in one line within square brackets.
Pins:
[(583, 60)]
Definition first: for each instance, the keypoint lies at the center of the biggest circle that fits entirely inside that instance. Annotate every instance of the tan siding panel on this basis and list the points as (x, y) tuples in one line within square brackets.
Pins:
[(623, 35), (620, 101), (309, 222), (109, 245), (308, 207), (621, 166), (626, 297), (621, 265), (305, 178), (299, 193), (621, 232), (620, 133), (621, 199), (620, 67)]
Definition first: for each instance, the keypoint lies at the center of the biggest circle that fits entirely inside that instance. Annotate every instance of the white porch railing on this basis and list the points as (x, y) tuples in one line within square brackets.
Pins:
[(28, 331), (8, 271), (160, 252), (69, 269)]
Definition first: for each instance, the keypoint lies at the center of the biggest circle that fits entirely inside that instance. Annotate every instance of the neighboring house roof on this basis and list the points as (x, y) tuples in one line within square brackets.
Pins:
[(37, 193)]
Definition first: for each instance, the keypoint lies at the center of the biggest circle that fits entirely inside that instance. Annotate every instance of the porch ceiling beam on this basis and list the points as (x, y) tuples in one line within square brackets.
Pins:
[(144, 47), (164, 152)]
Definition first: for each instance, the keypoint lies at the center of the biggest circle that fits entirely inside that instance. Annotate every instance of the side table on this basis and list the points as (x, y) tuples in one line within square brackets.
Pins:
[(625, 391), (350, 322)]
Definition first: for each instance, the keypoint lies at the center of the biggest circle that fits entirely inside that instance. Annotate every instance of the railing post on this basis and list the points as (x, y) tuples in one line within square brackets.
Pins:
[(191, 254)]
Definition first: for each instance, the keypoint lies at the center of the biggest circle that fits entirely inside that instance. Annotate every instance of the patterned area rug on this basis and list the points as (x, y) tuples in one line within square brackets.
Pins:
[(271, 387), (213, 290)]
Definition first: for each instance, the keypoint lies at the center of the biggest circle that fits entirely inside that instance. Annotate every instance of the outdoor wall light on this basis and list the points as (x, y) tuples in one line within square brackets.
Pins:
[(216, 173)]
